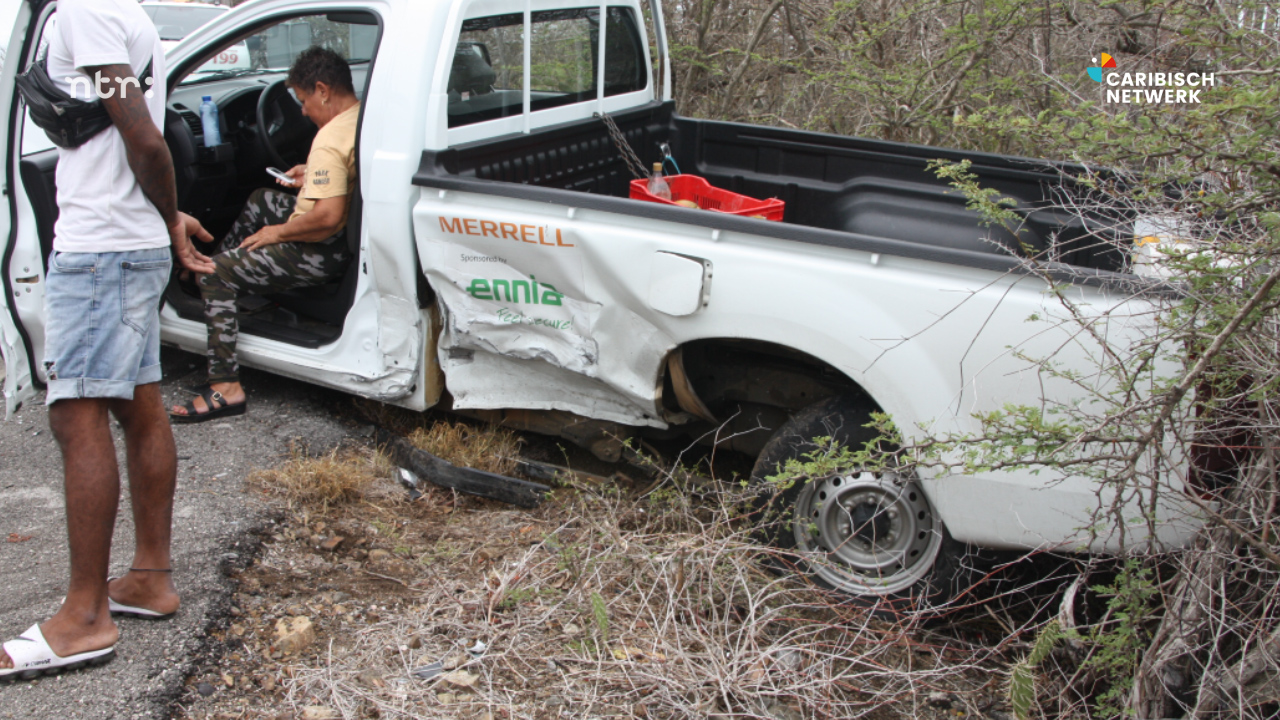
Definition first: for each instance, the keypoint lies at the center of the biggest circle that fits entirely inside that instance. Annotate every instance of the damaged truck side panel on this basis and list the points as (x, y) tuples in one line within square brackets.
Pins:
[(886, 323)]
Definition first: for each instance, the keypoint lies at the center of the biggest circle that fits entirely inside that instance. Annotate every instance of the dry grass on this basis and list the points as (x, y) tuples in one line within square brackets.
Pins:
[(610, 606), (319, 483), (601, 603), (491, 449)]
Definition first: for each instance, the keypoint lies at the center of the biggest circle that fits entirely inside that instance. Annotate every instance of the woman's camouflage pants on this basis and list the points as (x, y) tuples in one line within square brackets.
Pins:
[(274, 268)]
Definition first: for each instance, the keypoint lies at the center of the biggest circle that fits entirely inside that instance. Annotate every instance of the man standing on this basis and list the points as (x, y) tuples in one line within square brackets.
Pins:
[(118, 220)]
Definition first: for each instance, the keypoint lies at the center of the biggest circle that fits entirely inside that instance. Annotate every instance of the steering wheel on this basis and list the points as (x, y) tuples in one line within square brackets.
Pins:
[(283, 131)]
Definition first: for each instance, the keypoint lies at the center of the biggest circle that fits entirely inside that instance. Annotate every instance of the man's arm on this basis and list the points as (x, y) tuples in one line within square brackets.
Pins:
[(149, 158), (148, 155)]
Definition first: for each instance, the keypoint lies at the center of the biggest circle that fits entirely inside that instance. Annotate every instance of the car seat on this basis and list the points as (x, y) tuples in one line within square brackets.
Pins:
[(329, 303), (471, 73)]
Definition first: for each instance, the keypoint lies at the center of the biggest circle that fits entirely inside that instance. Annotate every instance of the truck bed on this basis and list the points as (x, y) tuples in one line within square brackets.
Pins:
[(872, 195)]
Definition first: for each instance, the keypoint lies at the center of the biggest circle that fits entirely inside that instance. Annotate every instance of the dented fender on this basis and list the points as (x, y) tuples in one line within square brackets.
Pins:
[(525, 323)]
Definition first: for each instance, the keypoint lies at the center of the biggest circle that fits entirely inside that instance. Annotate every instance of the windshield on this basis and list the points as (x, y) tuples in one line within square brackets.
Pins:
[(274, 48), (175, 23)]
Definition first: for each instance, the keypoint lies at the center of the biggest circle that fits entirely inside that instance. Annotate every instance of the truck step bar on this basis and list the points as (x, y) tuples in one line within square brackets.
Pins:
[(467, 480)]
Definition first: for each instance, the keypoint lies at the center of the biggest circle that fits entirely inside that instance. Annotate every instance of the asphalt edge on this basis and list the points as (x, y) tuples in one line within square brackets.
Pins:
[(244, 549)]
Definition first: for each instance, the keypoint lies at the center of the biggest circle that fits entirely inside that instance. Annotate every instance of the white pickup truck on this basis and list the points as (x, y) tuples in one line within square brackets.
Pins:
[(503, 270)]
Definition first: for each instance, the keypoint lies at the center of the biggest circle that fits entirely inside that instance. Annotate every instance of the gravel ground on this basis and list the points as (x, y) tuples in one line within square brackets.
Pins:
[(216, 528)]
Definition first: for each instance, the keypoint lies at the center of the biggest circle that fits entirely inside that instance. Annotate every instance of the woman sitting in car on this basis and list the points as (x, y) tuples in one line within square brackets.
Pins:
[(281, 242)]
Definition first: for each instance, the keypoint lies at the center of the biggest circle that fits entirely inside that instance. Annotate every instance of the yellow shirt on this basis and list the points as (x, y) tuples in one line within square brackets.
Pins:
[(331, 165)]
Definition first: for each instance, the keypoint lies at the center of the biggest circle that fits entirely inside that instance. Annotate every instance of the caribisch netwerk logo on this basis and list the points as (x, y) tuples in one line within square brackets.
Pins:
[(1147, 88), (1096, 71)]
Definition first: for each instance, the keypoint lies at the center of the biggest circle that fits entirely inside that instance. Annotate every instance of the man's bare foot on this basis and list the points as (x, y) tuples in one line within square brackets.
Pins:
[(71, 632), (232, 393), (152, 591)]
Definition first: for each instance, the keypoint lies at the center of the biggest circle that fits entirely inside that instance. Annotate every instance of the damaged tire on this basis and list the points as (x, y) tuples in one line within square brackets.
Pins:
[(872, 536)]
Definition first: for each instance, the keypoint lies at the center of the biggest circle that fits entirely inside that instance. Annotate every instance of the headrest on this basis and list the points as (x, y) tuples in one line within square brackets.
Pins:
[(470, 72)]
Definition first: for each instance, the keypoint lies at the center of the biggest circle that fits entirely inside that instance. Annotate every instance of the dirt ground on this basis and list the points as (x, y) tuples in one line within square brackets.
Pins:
[(623, 599), (215, 523)]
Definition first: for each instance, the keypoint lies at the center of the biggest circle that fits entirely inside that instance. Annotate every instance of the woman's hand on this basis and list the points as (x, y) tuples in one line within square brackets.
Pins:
[(269, 235), (295, 173)]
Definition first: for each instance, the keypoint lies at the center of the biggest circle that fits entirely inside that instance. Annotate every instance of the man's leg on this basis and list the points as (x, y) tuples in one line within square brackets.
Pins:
[(92, 485), (102, 344), (153, 472)]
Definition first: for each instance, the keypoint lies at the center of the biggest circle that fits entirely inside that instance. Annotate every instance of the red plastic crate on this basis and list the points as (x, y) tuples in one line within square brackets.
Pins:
[(692, 187)]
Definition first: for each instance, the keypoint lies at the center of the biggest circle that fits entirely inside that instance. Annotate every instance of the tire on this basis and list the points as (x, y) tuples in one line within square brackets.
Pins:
[(872, 537)]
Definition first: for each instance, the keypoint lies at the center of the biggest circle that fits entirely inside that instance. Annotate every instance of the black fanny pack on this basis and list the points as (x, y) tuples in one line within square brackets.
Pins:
[(68, 122)]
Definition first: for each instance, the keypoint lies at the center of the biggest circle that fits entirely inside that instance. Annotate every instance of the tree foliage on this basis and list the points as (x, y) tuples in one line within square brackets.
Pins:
[(1191, 632)]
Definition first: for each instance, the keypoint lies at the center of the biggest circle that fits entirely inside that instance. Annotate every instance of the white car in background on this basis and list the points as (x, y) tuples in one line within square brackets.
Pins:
[(176, 20)]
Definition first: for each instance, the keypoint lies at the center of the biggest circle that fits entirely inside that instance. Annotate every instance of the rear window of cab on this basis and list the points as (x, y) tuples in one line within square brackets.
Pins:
[(486, 81)]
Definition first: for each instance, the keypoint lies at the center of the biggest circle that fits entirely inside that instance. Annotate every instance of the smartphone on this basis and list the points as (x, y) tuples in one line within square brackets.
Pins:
[(273, 172)]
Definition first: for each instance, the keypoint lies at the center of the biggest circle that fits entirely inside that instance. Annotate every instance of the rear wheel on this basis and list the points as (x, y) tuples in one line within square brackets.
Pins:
[(870, 535)]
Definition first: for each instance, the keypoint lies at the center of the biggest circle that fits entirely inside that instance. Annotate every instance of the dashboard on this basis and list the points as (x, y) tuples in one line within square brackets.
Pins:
[(237, 97), (214, 181), (237, 101), (210, 179)]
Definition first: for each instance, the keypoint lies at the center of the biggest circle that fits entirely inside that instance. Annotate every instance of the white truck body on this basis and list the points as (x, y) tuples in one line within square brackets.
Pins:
[(606, 292)]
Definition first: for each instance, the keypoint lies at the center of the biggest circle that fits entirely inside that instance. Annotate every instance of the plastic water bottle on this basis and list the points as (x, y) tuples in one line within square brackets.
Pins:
[(209, 121), (658, 186)]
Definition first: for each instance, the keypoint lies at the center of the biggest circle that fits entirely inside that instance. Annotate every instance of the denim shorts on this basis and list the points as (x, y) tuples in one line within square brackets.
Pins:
[(102, 323)]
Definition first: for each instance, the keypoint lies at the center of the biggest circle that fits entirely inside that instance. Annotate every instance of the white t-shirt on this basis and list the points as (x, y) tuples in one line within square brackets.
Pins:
[(101, 206)]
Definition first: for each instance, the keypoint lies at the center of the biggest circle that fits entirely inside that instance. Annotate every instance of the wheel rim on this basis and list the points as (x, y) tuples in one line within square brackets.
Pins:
[(866, 533)]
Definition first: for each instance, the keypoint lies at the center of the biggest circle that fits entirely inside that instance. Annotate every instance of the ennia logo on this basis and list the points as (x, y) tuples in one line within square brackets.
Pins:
[(1130, 88)]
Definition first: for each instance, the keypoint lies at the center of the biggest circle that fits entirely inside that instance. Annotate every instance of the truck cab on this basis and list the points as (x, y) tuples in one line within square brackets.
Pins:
[(261, 126), (367, 333)]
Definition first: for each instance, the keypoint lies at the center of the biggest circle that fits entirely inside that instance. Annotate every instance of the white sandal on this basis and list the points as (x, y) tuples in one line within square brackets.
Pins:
[(138, 612), (32, 657)]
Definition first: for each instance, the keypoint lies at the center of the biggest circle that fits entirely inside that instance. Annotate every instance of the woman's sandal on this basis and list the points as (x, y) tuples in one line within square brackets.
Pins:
[(217, 407)]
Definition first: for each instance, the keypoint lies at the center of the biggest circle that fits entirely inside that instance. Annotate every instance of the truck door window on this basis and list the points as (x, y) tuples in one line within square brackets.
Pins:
[(487, 78)]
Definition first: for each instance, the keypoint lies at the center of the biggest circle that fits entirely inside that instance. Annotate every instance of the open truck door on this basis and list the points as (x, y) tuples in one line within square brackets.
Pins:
[(26, 225)]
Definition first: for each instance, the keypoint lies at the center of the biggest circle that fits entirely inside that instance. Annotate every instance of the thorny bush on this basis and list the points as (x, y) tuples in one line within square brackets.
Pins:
[(1195, 632)]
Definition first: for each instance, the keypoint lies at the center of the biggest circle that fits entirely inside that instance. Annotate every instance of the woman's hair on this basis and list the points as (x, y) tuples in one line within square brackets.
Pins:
[(317, 64)]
